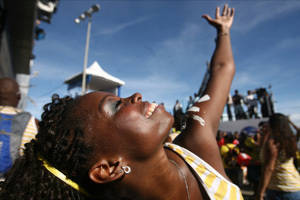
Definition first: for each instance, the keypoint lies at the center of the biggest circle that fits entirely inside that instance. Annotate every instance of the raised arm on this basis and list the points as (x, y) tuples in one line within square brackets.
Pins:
[(222, 68), (200, 134)]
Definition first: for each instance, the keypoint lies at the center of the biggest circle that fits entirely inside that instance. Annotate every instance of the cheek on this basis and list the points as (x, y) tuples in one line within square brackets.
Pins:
[(134, 125), (138, 135)]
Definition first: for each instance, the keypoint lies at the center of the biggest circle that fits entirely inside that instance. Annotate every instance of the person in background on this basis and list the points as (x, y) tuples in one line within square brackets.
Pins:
[(178, 116), (228, 107), (252, 148), (251, 103), (16, 126), (221, 137), (237, 100), (263, 127), (236, 138), (229, 152), (279, 180), (189, 103)]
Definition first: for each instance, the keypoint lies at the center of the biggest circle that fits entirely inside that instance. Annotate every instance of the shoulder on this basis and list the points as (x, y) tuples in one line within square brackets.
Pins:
[(9, 110)]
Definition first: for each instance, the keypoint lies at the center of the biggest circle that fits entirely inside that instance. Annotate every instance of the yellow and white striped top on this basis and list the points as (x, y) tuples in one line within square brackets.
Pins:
[(216, 186), (30, 131), (285, 176)]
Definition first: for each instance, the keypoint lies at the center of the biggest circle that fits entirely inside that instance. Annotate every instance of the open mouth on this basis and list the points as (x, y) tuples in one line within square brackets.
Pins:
[(151, 109)]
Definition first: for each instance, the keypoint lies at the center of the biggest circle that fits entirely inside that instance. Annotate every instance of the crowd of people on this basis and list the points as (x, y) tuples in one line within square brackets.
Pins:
[(252, 100), (266, 158), (101, 146), (238, 106)]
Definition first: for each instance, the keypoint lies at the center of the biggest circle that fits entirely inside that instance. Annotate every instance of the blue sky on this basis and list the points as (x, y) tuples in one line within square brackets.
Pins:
[(160, 48)]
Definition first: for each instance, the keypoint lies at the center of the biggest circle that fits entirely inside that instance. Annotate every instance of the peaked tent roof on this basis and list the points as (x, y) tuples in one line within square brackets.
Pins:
[(97, 79)]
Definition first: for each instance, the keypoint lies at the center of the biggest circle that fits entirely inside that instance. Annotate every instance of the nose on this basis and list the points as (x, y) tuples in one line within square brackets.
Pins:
[(136, 97)]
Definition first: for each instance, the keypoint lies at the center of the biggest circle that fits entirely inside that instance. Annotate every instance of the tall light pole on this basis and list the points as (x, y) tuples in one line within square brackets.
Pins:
[(86, 14)]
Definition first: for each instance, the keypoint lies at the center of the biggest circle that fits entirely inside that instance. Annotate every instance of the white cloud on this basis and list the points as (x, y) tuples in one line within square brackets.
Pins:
[(173, 58), (59, 45), (288, 43), (155, 82), (52, 71), (120, 27), (259, 12), (244, 79), (156, 87), (180, 53)]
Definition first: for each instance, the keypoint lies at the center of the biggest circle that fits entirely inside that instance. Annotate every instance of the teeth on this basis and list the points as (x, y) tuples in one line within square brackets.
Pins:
[(151, 109)]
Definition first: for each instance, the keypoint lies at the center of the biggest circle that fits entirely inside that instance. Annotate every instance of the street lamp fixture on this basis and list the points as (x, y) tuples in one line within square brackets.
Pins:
[(86, 14)]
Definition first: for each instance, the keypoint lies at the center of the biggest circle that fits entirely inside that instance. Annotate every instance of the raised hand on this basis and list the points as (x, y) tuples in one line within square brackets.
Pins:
[(222, 22)]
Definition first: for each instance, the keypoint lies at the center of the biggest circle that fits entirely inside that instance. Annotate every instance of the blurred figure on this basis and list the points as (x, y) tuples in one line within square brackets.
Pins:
[(280, 179), (228, 107), (251, 103), (249, 144), (236, 138), (229, 153), (178, 116), (237, 100), (262, 132), (190, 103), (266, 102), (16, 127), (220, 138)]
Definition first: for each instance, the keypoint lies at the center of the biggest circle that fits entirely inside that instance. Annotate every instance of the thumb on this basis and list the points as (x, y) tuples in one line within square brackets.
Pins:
[(208, 18)]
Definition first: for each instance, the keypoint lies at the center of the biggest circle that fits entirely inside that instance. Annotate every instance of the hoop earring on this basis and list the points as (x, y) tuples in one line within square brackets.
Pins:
[(126, 169)]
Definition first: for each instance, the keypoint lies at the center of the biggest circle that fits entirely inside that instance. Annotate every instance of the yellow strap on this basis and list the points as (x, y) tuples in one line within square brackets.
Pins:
[(62, 177)]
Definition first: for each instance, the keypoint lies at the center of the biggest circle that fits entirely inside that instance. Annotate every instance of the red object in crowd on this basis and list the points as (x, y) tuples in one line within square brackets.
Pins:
[(235, 141), (221, 142), (243, 159)]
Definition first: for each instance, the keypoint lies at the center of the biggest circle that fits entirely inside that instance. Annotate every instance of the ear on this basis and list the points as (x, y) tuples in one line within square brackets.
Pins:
[(104, 171), (18, 98), (18, 95)]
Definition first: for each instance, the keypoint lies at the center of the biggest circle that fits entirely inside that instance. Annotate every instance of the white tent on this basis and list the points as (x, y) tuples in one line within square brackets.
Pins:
[(96, 79)]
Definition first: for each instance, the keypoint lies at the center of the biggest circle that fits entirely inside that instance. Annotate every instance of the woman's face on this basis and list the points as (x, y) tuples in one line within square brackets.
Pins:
[(124, 125)]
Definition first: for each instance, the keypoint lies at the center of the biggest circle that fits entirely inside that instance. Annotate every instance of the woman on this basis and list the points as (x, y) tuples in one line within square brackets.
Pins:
[(280, 179), (113, 148)]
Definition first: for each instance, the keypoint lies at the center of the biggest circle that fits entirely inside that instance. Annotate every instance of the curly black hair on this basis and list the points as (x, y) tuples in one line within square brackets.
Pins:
[(60, 142)]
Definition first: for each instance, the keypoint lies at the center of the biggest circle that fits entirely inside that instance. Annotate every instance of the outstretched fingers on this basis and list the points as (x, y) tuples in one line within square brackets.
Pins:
[(232, 12), (228, 12), (225, 10), (222, 20), (208, 18), (217, 12)]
